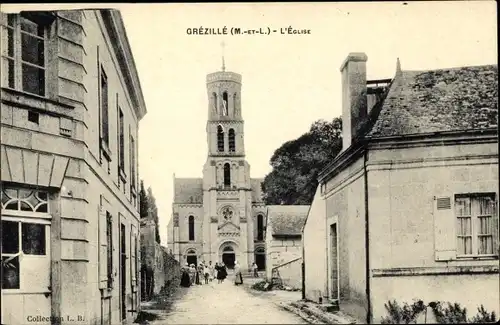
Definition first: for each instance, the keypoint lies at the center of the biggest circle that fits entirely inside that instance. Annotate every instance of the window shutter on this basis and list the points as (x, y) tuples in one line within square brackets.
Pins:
[(132, 258), (444, 229), (495, 232), (103, 249)]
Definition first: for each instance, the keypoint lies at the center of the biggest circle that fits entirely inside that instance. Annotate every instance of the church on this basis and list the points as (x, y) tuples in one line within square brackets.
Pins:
[(221, 216)]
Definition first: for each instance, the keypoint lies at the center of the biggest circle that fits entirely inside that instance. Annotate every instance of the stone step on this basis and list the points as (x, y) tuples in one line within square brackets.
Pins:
[(330, 307)]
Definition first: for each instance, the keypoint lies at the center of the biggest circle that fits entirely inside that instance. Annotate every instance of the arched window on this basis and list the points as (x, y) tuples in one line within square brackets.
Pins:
[(191, 227), (220, 139), (232, 143), (234, 103), (214, 101), (225, 104), (227, 175), (260, 227)]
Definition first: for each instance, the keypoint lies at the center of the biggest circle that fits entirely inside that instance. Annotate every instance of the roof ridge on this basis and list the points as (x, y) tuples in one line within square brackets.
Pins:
[(452, 68)]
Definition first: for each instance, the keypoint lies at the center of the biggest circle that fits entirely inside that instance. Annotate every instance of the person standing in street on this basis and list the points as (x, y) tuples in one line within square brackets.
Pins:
[(185, 278), (255, 270), (206, 272), (192, 274), (218, 270), (223, 271), (199, 274), (211, 269), (238, 278)]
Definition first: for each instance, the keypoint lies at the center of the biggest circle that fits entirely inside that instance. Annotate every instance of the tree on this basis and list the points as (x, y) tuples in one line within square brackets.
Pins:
[(297, 163), (143, 202), (154, 212)]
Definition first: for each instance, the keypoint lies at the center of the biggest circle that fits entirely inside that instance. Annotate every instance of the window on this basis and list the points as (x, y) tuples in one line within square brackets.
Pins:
[(260, 227), (220, 139), (476, 222), (132, 162), (23, 53), (104, 108), (21, 199), (109, 242), (20, 238), (214, 101), (232, 145), (225, 106), (234, 102), (227, 175), (191, 227), (33, 117), (121, 141)]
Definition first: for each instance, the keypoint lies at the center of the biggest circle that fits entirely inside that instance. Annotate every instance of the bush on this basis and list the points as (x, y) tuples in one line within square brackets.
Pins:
[(451, 314), (403, 315), (445, 313), (484, 316), (262, 286)]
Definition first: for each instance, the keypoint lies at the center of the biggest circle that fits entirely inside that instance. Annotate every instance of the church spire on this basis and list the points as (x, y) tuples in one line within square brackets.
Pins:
[(223, 61)]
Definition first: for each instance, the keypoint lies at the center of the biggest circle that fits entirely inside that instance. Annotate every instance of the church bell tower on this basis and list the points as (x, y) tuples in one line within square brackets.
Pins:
[(225, 123), (227, 198)]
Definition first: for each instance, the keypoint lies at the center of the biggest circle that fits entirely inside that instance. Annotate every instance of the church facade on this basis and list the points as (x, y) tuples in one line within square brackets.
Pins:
[(221, 216)]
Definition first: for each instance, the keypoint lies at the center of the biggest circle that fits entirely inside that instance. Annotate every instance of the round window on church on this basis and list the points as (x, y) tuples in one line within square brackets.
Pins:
[(227, 214)]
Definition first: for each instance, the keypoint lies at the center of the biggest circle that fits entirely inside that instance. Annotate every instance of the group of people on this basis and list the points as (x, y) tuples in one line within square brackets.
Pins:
[(203, 273)]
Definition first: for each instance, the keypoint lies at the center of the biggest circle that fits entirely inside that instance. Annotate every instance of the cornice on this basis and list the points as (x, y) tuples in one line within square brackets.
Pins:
[(229, 120), (189, 205), (114, 24)]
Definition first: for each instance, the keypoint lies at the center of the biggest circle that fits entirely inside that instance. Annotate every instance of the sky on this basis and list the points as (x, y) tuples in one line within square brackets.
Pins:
[(289, 81)]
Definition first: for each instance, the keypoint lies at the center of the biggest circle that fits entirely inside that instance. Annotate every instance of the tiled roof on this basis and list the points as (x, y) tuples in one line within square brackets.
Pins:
[(188, 190), (456, 99), (287, 219), (255, 183)]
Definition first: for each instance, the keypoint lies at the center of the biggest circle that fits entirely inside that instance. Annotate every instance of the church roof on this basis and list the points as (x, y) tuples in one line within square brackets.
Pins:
[(255, 183), (287, 220), (454, 99), (188, 190)]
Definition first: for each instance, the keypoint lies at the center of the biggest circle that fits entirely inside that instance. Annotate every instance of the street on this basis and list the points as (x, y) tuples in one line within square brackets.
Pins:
[(225, 304)]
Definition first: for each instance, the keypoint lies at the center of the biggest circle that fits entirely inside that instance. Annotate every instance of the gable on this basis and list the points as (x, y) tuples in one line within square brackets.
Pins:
[(229, 227)]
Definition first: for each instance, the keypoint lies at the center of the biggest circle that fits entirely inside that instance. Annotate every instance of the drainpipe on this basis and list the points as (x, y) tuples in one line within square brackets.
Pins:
[(367, 243), (303, 267)]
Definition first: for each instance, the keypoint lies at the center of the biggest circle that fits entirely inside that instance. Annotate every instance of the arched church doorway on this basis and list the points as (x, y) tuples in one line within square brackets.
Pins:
[(228, 257), (191, 257), (260, 258)]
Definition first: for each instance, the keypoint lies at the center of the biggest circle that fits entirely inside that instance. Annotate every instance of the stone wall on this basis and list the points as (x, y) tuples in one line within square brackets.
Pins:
[(314, 245), (159, 269), (290, 273)]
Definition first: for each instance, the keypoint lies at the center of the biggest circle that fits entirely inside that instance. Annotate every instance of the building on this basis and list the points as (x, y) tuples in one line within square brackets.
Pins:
[(220, 217), (284, 243), (71, 103), (408, 209)]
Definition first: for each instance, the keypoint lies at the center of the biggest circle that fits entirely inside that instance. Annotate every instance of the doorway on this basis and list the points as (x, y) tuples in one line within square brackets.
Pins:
[(123, 275), (228, 257), (334, 266), (191, 257), (260, 258)]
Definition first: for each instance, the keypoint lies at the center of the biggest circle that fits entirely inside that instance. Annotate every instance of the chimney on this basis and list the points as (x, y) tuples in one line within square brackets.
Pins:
[(354, 100)]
